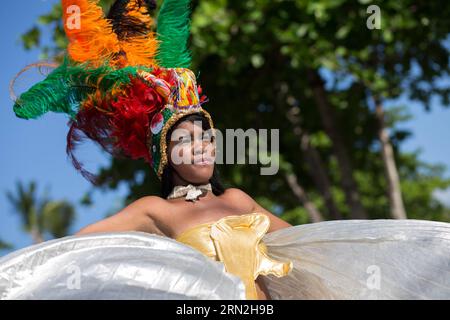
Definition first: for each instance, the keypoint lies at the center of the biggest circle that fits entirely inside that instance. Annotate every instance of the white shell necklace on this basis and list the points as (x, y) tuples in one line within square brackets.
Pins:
[(190, 192)]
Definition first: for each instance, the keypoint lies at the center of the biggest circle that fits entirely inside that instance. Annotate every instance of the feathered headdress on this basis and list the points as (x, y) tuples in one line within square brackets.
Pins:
[(122, 83)]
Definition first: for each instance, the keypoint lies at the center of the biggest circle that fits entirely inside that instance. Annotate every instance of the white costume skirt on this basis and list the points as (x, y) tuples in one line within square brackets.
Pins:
[(347, 259)]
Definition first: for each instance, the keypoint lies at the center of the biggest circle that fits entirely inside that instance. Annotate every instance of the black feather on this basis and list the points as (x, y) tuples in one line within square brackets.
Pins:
[(125, 26)]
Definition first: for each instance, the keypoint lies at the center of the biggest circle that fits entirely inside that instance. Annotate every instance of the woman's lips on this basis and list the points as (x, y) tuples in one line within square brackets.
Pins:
[(204, 162)]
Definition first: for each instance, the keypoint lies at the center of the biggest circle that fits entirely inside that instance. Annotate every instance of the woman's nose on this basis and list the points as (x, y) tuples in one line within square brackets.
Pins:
[(198, 147)]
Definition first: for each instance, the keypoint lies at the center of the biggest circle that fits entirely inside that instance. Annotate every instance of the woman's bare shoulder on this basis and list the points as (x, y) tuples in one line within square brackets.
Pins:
[(154, 200), (239, 198), (236, 193), (154, 206)]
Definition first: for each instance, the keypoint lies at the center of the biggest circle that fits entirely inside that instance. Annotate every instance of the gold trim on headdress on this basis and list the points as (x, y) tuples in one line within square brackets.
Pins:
[(162, 143)]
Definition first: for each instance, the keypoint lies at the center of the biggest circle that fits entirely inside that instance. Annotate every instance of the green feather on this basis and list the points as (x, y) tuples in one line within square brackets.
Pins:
[(67, 86), (173, 33)]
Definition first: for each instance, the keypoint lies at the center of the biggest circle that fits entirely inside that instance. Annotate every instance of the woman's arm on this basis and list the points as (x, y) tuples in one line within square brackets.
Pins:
[(135, 217), (251, 205)]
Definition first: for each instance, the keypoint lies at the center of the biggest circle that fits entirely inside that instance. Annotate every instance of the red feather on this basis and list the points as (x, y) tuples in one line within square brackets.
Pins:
[(131, 118), (119, 125)]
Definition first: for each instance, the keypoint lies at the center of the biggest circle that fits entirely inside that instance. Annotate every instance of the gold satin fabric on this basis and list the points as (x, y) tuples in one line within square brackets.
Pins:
[(236, 241)]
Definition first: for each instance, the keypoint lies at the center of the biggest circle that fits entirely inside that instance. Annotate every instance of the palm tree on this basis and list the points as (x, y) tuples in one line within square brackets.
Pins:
[(41, 216), (5, 245)]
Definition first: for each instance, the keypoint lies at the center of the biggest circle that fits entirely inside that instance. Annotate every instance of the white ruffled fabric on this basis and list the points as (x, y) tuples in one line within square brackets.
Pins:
[(363, 259), (351, 259), (110, 266)]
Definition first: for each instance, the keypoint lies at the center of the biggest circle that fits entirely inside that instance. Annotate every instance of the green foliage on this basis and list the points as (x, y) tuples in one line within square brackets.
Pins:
[(57, 218), (41, 216), (419, 182), (5, 245), (31, 38), (257, 53)]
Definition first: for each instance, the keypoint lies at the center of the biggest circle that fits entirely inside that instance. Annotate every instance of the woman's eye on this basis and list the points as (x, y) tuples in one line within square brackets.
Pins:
[(184, 140)]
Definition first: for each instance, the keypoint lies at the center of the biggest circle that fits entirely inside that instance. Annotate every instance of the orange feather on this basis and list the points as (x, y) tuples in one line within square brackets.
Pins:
[(90, 34), (92, 39)]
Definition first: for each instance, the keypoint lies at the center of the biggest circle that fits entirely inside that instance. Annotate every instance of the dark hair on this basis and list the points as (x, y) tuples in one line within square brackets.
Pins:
[(167, 175)]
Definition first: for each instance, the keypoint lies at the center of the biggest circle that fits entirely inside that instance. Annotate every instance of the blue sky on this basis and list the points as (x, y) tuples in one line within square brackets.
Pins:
[(35, 149)]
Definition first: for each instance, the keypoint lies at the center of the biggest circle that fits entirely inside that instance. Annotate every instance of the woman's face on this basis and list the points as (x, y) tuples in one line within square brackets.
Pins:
[(192, 151)]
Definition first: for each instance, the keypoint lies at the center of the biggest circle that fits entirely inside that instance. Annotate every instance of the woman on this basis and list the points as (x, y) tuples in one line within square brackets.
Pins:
[(134, 95), (172, 217)]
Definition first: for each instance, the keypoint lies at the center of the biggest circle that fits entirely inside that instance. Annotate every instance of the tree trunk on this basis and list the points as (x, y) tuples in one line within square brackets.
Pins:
[(397, 209), (299, 192), (327, 114), (36, 236), (315, 164)]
